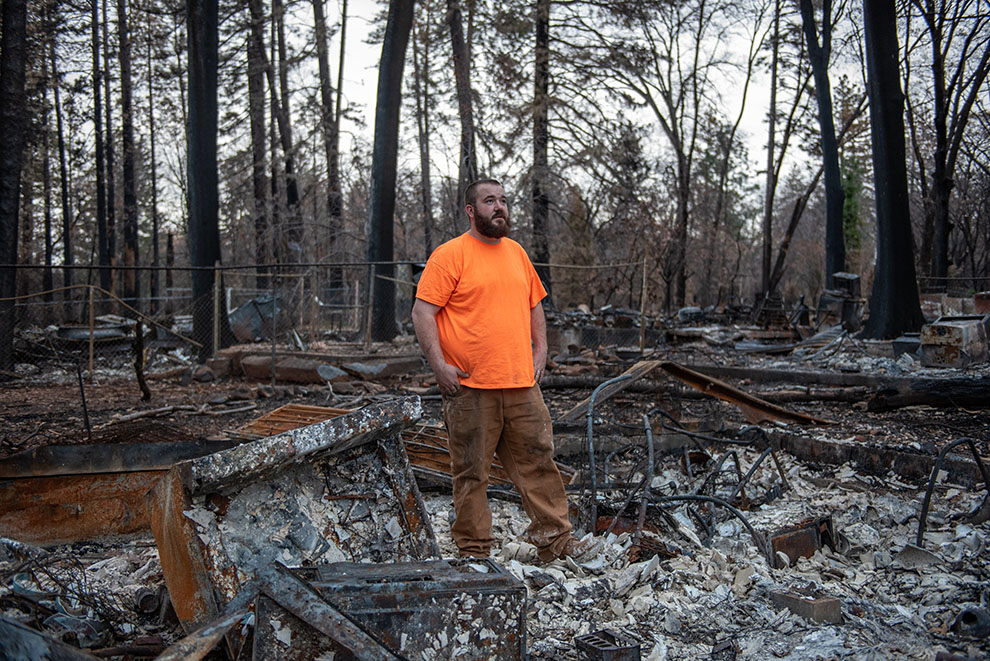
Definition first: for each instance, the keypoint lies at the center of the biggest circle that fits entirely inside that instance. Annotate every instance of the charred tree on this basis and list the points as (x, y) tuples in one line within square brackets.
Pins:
[(819, 55), (541, 139), (261, 190), (421, 89), (132, 282), (894, 306), (63, 172), (102, 232), (955, 91), (156, 281), (47, 279), (336, 211), (13, 112), (383, 167), (766, 252), (201, 164), (110, 157), (330, 124), (292, 230), (467, 170)]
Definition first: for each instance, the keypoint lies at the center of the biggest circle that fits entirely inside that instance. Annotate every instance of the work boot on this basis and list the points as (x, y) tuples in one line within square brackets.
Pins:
[(578, 549)]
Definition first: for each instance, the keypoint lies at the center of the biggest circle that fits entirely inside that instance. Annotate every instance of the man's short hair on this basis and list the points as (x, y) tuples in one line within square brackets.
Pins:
[(471, 192)]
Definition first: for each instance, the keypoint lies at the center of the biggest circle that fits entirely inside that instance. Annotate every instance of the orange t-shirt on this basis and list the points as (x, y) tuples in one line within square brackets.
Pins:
[(486, 293)]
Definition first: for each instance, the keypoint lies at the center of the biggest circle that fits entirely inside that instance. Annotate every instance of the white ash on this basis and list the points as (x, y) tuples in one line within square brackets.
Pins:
[(681, 608)]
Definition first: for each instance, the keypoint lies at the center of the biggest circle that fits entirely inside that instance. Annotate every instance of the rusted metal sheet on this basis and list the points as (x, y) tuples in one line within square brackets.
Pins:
[(285, 418), (803, 539), (444, 609), (754, 409), (68, 508), (105, 457), (66, 493), (955, 341), (340, 490), (189, 586), (304, 603)]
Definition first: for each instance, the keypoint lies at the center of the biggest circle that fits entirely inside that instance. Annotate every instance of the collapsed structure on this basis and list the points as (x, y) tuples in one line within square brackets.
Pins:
[(314, 531)]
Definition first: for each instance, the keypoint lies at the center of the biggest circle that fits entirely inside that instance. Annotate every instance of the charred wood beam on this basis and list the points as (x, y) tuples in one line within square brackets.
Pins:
[(634, 373), (799, 394), (242, 463), (753, 408), (962, 391)]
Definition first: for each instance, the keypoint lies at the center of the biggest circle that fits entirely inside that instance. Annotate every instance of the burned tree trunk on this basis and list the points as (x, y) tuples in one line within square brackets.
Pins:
[(818, 54), (204, 232), (383, 166), (156, 282), (132, 283), (467, 170), (894, 305), (13, 112), (63, 171), (256, 114), (109, 151), (421, 88), (541, 138), (103, 255)]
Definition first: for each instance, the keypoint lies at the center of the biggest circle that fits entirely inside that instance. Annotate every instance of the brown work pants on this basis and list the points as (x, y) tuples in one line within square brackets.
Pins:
[(514, 424)]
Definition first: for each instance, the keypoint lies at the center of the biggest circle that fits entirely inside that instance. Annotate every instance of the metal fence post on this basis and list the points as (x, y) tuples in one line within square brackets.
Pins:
[(357, 304), (642, 312), (92, 324), (216, 307), (367, 310)]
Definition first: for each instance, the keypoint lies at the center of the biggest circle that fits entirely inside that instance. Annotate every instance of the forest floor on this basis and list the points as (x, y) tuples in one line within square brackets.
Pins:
[(712, 596)]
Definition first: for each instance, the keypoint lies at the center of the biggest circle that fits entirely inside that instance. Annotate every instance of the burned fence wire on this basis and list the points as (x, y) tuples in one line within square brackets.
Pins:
[(61, 594), (706, 493), (980, 513)]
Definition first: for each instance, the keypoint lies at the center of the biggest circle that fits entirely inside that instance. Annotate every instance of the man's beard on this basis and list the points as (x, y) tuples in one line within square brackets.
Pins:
[(490, 226)]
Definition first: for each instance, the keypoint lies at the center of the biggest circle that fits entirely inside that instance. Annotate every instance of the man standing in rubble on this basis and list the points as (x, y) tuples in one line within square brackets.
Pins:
[(479, 320)]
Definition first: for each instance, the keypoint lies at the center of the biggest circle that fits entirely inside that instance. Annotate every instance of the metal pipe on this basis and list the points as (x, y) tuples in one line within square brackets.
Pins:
[(923, 519), (749, 473), (82, 394), (591, 447), (757, 537), (649, 479)]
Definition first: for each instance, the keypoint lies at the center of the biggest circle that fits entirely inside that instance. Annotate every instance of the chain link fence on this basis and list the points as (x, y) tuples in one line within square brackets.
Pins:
[(292, 308), (85, 329)]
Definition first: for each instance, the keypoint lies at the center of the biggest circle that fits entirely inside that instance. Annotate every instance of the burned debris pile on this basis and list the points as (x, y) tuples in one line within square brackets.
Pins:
[(817, 500)]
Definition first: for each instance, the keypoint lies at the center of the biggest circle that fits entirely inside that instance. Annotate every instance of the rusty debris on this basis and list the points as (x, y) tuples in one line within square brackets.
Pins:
[(754, 409), (62, 494), (853, 526), (339, 490), (955, 341), (420, 610), (802, 540), (274, 632)]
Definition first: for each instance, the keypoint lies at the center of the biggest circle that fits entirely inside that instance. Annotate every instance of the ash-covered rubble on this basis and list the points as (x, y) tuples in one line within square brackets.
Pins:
[(693, 583), (888, 599)]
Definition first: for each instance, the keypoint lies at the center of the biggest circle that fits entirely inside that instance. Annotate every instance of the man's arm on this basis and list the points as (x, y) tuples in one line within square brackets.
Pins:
[(424, 317), (538, 331)]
